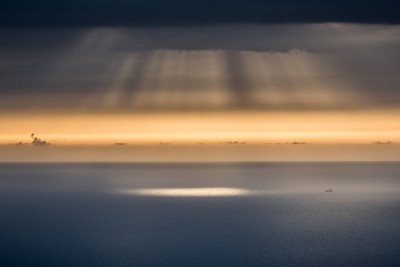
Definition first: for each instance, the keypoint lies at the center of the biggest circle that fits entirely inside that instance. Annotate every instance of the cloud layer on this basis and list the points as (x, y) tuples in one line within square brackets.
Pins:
[(299, 66)]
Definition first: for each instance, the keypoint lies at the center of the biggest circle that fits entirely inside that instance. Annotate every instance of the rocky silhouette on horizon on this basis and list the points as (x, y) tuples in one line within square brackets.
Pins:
[(36, 141)]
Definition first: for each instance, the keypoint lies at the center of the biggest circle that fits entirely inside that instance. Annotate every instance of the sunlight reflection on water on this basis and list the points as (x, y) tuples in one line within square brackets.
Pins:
[(188, 192)]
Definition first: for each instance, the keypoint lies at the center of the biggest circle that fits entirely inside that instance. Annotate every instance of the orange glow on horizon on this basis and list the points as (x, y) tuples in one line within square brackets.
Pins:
[(325, 127)]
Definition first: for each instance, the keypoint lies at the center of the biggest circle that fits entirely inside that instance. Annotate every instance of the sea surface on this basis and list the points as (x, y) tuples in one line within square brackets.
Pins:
[(200, 214)]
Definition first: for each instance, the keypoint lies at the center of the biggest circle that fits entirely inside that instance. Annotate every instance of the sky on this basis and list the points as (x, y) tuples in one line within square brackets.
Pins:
[(267, 75)]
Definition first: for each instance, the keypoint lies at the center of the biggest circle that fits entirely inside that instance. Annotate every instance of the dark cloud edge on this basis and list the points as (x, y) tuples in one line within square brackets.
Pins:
[(86, 13), (198, 23)]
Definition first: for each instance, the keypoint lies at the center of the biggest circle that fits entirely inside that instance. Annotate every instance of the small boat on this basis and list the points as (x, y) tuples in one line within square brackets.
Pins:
[(330, 190)]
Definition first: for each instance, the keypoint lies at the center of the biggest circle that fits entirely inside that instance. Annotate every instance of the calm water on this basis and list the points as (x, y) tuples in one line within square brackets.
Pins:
[(249, 214)]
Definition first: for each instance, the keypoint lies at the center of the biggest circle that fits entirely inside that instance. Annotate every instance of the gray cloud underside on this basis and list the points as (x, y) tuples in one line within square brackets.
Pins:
[(62, 67)]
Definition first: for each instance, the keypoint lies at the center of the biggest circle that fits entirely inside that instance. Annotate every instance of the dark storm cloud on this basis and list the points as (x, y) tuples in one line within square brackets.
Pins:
[(192, 12)]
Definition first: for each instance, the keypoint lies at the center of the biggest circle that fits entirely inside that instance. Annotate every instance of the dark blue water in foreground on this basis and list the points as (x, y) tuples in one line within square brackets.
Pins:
[(249, 214)]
